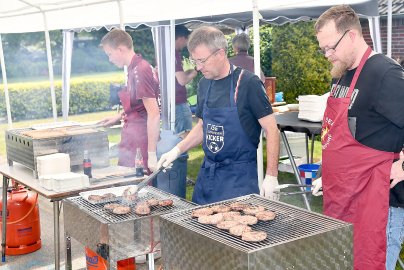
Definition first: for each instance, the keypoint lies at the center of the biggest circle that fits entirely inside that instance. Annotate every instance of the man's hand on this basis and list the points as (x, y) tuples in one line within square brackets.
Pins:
[(152, 161), (397, 171), (110, 121), (268, 187), (317, 187), (167, 158)]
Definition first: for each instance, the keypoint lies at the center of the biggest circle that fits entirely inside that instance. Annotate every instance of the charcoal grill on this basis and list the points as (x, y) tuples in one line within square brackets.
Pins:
[(24, 149), (297, 239), (126, 236)]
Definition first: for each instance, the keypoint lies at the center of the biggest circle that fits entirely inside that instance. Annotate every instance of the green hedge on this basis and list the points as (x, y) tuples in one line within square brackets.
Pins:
[(33, 100)]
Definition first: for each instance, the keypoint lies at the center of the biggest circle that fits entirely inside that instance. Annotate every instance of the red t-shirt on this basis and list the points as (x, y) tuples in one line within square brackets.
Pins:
[(180, 90)]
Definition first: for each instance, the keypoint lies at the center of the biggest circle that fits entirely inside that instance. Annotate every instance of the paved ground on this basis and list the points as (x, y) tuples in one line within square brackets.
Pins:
[(43, 259)]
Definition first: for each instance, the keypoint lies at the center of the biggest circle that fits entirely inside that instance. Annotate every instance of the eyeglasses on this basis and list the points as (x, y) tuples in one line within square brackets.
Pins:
[(332, 49), (202, 61)]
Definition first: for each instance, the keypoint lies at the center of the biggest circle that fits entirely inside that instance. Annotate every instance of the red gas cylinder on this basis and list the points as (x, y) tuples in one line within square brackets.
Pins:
[(23, 226)]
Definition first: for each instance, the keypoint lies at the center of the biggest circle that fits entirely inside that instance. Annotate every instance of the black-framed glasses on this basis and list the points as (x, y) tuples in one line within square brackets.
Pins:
[(333, 49), (202, 61)]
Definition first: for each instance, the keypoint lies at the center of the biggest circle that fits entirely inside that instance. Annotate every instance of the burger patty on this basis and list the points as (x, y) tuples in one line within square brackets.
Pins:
[(153, 202), (232, 215), (238, 230), (108, 196), (206, 211), (254, 236), (253, 209), (111, 206), (247, 220), (142, 209), (227, 224), (238, 206), (265, 215), (212, 219), (166, 202), (121, 210), (95, 198), (220, 208)]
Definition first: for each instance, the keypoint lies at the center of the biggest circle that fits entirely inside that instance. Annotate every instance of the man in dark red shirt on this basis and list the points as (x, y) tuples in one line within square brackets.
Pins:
[(141, 114), (183, 114)]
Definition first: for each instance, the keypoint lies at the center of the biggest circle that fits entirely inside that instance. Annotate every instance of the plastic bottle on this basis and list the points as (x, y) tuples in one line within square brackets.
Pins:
[(87, 164), (139, 163)]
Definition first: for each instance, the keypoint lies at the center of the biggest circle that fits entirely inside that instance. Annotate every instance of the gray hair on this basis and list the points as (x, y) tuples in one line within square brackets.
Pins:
[(209, 36), (241, 42), (117, 37)]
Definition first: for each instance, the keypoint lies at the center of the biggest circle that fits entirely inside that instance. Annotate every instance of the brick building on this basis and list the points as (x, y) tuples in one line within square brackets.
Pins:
[(397, 32)]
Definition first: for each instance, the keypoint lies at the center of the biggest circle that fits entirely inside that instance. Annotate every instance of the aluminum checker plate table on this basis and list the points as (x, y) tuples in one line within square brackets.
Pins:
[(289, 121), (24, 176)]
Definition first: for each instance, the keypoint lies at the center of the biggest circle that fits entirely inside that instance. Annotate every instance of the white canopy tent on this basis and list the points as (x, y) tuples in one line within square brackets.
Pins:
[(21, 16), (44, 15)]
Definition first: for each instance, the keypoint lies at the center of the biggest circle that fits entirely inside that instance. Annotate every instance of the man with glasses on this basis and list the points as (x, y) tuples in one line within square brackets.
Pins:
[(232, 108), (362, 136)]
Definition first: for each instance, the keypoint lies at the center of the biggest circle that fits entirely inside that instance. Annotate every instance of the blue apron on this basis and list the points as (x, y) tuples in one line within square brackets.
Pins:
[(229, 168)]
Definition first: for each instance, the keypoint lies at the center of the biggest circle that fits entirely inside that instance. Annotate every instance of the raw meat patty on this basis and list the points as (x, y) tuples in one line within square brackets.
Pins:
[(153, 202), (166, 202), (95, 198), (111, 206), (254, 236), (232, 215), (206, 211), (212, 219), (220, 208), (107, 196), (253, 209), (247, 220), (142, 209), (227, 224), (238, 230), (121, 210), (265, 215), (238, 206)]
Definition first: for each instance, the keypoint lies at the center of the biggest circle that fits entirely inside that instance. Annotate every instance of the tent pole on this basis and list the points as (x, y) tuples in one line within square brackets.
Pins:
[(389, 25), (171, 88), (68, 37), (50, 67), (257, 68), (6, 96)]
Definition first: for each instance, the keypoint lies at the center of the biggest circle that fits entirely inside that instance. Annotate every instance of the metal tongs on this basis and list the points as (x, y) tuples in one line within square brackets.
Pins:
[(279, 187), (147, 180)]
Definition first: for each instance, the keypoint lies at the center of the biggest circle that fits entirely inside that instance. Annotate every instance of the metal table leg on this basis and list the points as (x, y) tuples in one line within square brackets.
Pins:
[(68, 252), (4, 219), (150, 258), (56, 235), (293, 163)]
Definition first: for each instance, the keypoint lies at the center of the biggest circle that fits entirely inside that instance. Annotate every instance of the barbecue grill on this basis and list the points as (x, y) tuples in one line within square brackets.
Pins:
[(24, 149), (127, 235), (297, 239)]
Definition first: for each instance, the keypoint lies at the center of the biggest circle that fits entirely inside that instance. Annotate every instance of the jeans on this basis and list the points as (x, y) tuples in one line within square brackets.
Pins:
[(395, 234), (183, 118)]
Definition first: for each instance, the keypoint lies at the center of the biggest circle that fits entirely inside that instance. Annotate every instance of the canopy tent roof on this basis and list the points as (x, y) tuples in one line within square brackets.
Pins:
[(19, 16)]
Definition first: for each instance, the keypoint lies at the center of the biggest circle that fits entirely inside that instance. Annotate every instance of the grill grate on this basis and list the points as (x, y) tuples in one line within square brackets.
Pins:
[(291, 223), (98, 211)]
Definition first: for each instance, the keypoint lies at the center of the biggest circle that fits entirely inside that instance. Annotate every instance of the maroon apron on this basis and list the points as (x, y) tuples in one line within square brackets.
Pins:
[(356, 181), (134, 133)]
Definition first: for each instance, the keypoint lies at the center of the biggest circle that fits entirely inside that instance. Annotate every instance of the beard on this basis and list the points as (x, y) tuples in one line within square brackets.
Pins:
[(340, 68)]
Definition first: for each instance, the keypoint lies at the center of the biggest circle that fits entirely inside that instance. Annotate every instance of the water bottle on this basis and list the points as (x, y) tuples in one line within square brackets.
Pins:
[(87, 164), (139, 163)]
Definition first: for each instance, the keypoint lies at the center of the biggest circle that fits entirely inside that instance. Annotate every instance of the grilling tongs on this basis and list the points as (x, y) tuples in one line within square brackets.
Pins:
[(279, 187), (148, 179)]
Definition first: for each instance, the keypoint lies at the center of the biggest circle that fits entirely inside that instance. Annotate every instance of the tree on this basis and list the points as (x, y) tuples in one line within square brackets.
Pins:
[(299, 68)]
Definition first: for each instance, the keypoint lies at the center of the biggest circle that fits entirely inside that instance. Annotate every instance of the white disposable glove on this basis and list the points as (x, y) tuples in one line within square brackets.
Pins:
[(317, 185), (152, 161), (167, 158), (268, 187)]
